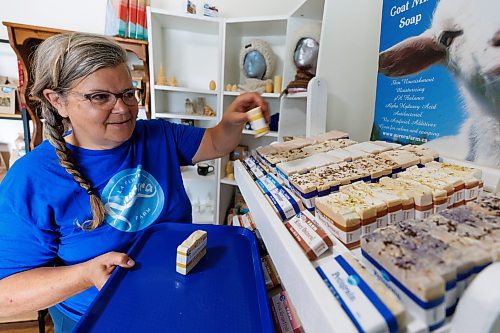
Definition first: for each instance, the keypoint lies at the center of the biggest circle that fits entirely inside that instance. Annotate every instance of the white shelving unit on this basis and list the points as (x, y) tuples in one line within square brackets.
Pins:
[(197, 49), (189, 48), (297, 117), (238, 33), (300, 113)]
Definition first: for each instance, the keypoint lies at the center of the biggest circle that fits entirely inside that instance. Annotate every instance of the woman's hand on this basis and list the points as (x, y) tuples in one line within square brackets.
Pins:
[(236, 112), (223, 138), (98, 270)]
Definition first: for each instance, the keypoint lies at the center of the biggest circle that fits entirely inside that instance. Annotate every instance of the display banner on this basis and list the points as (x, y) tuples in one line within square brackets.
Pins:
[(438, 81)]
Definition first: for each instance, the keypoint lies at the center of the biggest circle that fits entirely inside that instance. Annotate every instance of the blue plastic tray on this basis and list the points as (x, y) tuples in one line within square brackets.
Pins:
[(225, 292)]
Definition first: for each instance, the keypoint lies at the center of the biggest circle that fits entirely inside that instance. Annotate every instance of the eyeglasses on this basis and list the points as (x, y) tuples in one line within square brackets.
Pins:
[(107, 99)]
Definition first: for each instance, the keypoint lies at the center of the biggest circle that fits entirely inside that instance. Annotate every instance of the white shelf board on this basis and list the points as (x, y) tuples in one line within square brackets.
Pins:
[(237, 93), (185, 90), (270, 134), (259, 26), (256, 19), (182, 116), (316, 306), (185, 21), (228, 181), (302, 94)]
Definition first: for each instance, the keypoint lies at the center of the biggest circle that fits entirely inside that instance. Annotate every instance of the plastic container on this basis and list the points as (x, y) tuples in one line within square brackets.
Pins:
[(225, 291)]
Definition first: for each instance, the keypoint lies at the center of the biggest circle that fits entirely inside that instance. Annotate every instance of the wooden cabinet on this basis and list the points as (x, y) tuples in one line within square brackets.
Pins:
[(24, 39)]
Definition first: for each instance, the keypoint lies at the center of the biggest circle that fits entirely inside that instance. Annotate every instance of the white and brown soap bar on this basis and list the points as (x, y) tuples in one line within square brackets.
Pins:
[(190, 252)]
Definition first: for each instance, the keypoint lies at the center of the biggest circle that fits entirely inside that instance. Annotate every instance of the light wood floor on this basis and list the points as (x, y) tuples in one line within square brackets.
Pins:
[(26, 327)]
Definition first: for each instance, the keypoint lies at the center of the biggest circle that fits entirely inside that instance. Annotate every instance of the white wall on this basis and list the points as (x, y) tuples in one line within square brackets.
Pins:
[(351, 63), (351, 53), (234, 8), (352, 46), (70, 15)]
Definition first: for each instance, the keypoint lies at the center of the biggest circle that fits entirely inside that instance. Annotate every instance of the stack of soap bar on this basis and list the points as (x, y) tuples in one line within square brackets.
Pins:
[(190, 252)]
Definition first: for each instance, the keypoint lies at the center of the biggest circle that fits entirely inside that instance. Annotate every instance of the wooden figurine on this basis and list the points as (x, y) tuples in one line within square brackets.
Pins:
[(277, 84), (208, 111), (173, 81), (234, 88), (269, 87), (230, 170), (188, 106), (161, 79), (228, 87), (200, 105)]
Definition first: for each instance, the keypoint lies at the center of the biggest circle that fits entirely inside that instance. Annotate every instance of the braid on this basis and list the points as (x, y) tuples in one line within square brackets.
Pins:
[(54, 130)]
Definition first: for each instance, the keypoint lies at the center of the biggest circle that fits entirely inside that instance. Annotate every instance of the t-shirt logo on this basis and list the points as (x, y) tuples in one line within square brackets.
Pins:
[(132, 199)]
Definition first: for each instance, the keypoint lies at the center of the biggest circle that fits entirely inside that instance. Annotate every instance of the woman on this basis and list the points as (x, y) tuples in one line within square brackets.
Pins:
[(57, 247)]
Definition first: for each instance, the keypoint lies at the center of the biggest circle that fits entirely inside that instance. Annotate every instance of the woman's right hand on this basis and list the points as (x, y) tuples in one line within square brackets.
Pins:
[(98, 270)]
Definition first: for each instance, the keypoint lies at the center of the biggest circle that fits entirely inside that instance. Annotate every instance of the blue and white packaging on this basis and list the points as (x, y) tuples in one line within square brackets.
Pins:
[(267, 183), (363, 305), (284, 203)]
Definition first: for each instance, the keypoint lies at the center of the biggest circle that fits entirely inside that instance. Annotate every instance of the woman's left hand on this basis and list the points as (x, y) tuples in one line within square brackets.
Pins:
[(236, 112)]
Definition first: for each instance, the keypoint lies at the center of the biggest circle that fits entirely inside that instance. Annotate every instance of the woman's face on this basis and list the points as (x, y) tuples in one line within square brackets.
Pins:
[(94, 126)]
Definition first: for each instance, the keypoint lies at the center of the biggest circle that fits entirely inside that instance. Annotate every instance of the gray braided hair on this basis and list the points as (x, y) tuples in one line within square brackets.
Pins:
[(59, 62)]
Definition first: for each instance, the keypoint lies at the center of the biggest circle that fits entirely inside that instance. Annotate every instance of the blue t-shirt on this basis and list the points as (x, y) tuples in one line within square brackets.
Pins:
[(139, 182)]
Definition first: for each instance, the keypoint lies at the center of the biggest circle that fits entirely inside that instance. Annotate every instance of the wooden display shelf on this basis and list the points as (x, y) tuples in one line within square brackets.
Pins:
[(10, 116)]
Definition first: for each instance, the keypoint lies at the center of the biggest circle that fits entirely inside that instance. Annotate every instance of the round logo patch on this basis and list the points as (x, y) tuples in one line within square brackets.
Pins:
[(353, 280), (132, 200)]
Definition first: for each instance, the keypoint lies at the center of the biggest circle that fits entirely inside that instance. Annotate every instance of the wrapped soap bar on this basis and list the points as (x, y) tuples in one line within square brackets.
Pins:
[(369, 304), (311, 238), (246, 221), (268, 183), (270, 274), (284, 203), (284, 315)]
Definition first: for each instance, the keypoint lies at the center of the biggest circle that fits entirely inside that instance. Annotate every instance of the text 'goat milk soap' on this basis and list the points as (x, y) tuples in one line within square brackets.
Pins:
[(190, 252)]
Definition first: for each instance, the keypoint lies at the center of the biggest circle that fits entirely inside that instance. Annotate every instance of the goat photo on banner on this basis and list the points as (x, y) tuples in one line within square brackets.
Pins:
[(438, 81)]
